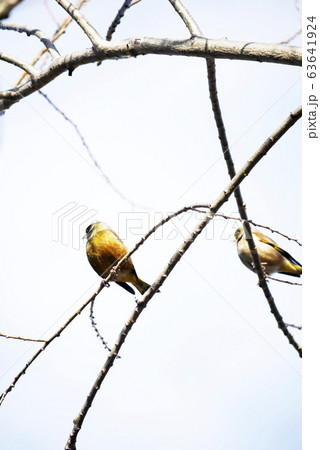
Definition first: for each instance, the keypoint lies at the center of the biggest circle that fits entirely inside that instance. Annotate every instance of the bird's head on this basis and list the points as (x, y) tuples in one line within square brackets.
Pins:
[(94, 228), (238, 233)]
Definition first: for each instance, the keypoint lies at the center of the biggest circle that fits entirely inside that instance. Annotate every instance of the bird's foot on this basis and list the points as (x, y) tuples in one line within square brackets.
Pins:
[(105, 283), (114, 274)]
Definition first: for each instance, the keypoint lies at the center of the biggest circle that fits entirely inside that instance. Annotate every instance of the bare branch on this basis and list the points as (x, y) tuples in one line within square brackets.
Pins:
[(91, 155), (61, 29), (283, 281), (291, 37), (197, 47), (48, 342), (211, 70), (262, 151), (298, 327), (127, 4), (94, 326), (21, 338), (187, 18), (21, 64), (260, 226), (79, 18), (50, 47), (224, 196), (296, 5), (92, 298), (6, 6)]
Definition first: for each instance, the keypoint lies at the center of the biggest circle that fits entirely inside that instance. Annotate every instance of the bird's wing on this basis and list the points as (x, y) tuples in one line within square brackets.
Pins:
[(265, 239), (284, 253)]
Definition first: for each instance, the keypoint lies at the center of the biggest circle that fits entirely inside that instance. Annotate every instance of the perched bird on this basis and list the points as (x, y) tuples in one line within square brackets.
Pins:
[(273, 258), (104, 250)]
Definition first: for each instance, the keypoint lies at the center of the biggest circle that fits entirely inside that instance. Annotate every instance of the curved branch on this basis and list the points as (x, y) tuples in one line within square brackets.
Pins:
[(195, 47), (21, 64), (33, 32)]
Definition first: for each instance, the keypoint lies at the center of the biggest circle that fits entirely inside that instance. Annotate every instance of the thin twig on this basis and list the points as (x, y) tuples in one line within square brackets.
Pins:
[(282, 281), (260, 226), (7, 336), (298, 327), (290, 38), (116, 21), (92, 157), (224, 196), (48, 342), (94, 326), (296, 4), (49, 10)]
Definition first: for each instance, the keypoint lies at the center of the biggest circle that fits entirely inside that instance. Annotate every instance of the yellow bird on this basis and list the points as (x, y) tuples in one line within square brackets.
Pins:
[(273, 258), (104, 250)]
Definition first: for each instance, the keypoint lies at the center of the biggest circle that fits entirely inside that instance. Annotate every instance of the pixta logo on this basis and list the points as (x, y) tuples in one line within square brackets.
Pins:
[(67, 224)]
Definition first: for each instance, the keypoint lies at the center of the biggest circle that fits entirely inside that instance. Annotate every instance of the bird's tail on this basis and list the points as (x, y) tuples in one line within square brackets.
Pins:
[(291, 268), (141, 285)]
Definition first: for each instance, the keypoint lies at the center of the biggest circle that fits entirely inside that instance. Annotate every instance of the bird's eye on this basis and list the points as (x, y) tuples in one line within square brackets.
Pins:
[(88, 229)]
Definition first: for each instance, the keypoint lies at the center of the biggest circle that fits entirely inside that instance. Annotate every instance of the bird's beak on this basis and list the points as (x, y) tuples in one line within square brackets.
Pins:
[(85, 237)]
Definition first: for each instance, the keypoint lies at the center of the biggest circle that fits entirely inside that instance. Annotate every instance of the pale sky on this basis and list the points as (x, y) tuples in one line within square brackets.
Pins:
[(206, 365)]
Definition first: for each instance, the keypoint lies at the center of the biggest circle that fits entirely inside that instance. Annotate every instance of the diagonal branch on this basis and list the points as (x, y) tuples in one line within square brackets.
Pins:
[(116, 21), (224, 196), (83, 23), (33, 32), (187, 18), (48, 342), (21, 64)]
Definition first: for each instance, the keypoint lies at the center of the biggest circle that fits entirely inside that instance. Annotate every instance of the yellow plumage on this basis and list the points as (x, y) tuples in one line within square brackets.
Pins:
[(104, 250), (273, 258)]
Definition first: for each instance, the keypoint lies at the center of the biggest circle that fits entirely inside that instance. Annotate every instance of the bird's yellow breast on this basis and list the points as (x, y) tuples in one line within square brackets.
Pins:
[(104, 250)]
